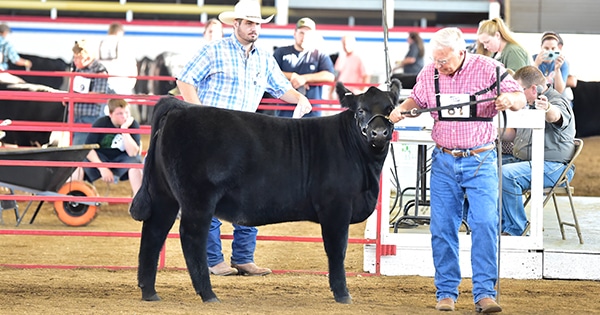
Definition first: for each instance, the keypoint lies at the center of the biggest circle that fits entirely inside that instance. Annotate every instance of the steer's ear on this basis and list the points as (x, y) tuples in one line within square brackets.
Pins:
[(344, 95), (395, 87)]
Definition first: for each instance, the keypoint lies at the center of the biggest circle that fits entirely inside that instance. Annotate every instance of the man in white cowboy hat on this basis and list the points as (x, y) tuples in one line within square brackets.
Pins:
[(233, 73), (304, 64)]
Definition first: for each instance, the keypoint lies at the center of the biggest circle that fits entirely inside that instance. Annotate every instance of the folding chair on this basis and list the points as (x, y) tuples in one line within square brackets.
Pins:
[(562, 187)]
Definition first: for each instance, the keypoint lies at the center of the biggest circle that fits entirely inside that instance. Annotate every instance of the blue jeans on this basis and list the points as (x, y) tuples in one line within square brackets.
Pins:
[(509, 158), (80, 137), (452, 178), (516, 177), (242, 247)]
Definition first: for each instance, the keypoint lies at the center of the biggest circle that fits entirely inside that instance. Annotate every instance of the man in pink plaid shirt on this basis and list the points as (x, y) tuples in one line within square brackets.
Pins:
[(463, 162)]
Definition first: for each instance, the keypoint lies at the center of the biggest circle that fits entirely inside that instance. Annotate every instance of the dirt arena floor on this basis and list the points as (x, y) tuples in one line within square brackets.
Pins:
[(114, 291)]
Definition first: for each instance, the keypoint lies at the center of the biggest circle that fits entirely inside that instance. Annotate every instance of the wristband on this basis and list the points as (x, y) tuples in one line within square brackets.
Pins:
[(547, 109)]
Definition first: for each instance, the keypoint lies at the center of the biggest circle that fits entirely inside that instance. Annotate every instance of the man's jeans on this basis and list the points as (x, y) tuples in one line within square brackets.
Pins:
[(242, 247), (452, 178), (516, 177)]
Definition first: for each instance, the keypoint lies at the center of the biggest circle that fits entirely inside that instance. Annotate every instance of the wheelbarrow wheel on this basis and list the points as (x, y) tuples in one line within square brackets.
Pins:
[(74, 213)]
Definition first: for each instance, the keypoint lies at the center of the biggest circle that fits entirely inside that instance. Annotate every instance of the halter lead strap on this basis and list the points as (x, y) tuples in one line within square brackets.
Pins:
[(472, 108)]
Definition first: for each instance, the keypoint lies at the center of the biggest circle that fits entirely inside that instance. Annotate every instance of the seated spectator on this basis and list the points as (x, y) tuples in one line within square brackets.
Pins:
[(559, 133), (86, 112), (114, 148)]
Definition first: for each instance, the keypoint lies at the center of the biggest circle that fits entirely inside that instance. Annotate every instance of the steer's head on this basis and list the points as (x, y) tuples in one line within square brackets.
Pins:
[(371, 111)]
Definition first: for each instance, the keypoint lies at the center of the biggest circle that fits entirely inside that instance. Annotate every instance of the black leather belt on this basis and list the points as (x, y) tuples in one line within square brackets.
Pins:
[(465, 152)]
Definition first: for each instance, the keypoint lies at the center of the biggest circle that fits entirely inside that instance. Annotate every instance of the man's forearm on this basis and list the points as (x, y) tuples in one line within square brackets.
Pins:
[(188, 92), (319, 77), (131, 147), (292, 96)]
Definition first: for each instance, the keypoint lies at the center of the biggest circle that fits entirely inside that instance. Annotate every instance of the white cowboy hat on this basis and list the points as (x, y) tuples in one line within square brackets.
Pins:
[(244, 10)]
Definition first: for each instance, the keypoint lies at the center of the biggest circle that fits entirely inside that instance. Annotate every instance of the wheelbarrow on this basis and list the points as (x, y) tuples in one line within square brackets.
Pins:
[(49, 181)]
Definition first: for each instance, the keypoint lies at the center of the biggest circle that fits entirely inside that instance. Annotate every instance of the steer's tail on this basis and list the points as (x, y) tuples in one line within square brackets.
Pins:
[(140, 208)]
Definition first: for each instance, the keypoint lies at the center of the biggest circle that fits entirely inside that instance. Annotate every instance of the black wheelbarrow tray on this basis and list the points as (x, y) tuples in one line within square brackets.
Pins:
[(50, 181)]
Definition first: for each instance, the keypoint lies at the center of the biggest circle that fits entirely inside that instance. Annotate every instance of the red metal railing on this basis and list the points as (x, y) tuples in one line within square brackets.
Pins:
[(69, 98)]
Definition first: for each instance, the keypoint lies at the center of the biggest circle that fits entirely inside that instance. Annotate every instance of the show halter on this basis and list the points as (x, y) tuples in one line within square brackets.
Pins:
[(496, 85)]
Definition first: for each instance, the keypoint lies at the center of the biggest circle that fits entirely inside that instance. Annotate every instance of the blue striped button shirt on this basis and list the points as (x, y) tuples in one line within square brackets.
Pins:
[(7, 53), (225, 78)]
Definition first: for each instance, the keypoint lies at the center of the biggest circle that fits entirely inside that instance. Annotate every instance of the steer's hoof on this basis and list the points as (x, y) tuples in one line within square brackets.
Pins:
[(344, 299), (151, 298), (212, 300)]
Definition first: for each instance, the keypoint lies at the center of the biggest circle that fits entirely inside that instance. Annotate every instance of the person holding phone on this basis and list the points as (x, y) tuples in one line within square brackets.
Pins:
[(552, 62)]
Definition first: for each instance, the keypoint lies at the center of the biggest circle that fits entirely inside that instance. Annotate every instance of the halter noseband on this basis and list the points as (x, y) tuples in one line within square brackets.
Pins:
[(363, 129)]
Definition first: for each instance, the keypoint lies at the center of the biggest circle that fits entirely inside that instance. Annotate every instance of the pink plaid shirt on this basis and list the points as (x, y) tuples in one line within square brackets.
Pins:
[(477, 73)]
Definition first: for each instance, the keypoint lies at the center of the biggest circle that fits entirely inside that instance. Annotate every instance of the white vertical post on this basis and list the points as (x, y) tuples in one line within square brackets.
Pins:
[(387, 21), (351, 21), (203, 16), (537, 182), (494, 10), (389, 7), (282, 16)]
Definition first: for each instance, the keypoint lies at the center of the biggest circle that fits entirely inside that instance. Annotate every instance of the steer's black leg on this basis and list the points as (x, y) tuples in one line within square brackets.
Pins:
[(335, 240), (193, 231), (154, 234)]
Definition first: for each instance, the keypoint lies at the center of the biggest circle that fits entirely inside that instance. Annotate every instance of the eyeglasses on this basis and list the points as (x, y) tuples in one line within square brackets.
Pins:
[(443, 62), (440, 62)]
